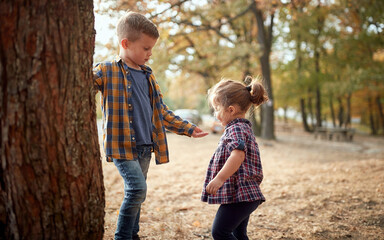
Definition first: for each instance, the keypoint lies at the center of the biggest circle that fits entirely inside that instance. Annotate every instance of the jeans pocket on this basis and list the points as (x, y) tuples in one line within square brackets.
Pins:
[(144, 152), (144, 156)]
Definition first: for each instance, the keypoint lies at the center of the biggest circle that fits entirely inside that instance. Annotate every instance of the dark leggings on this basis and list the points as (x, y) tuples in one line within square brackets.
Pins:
[(232, 219)]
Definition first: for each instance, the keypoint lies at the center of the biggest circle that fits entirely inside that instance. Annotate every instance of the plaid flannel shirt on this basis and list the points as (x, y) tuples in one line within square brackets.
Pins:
[(114, 81), (243, 185)]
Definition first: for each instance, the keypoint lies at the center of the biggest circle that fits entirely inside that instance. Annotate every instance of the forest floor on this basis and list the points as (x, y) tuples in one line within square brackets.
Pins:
[(315, 189)]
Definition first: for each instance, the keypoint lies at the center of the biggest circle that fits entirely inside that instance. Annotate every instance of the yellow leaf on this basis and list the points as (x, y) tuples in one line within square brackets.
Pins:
[(196, 223)]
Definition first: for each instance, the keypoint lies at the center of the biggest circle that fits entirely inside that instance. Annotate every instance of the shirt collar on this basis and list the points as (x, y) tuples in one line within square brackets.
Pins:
[(143, 67), (238, 120)]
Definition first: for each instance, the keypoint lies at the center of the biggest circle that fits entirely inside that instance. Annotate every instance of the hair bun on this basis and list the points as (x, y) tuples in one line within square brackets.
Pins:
[(258, 94)]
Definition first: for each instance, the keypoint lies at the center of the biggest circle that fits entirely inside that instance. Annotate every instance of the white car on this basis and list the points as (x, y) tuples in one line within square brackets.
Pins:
[(191, 115)]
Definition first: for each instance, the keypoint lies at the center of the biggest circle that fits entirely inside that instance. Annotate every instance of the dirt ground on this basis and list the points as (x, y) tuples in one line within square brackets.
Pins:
[(315, 189)]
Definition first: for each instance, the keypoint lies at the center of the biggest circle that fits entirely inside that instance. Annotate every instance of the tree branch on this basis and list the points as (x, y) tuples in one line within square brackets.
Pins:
[(192, 44), (207, 27), (177, 4), (270, 32)]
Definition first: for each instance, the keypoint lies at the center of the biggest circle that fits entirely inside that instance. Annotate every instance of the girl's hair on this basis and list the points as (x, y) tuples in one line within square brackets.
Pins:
[(132, 24), (228, 92)]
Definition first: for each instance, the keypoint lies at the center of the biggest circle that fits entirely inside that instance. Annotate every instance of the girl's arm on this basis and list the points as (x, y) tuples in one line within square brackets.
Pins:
[(230, 167)]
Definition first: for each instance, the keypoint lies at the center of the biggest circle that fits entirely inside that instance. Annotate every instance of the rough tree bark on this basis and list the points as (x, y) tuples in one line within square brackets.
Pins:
[(51, 183)]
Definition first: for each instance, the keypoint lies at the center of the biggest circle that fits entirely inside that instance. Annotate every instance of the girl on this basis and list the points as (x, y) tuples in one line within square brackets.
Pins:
[(234, 172)]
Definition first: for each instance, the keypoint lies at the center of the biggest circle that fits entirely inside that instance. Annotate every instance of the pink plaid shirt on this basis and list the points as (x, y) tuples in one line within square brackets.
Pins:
[(244, 184)]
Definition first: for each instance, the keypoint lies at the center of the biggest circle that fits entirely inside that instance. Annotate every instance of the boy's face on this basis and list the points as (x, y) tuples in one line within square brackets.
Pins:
[(139, 51)]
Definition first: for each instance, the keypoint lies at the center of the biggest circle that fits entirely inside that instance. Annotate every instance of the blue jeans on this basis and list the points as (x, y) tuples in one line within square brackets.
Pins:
[(134, 173), (231, 220)]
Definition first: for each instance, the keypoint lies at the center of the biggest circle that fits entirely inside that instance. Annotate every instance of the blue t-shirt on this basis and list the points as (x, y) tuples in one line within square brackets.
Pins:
[(142, 109)]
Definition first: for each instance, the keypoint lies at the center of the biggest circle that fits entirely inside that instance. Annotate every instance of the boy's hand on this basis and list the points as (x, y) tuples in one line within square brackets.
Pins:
[(214, 185), (198, 133)]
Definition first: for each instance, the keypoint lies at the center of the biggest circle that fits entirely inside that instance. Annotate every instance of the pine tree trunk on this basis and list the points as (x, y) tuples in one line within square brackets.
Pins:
[(50, 176)]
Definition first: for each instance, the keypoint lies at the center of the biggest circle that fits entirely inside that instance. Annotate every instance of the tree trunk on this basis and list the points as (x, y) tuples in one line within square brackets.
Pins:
[(267, 121), (304, 115), (265, 40), (317, 47), (317, 90), (310, 109), (371, 117), (332, 111), (256, 128), (50, 176), (381, 114), (285, 114), (299, 75), (348, 114), (341, 112)]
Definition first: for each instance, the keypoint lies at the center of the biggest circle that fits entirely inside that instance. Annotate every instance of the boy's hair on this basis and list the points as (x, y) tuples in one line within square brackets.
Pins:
[(132, 25), (228, 92)]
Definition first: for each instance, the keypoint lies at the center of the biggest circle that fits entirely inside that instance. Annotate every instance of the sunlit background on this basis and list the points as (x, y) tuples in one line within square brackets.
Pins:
[(326, 65), (326, 57)]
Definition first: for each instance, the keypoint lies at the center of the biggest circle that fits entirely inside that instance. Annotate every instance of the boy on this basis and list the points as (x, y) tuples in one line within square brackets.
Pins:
[(134, 116)]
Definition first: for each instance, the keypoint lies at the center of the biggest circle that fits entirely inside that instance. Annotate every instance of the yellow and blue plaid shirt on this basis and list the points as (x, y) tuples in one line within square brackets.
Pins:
[(114, 81)]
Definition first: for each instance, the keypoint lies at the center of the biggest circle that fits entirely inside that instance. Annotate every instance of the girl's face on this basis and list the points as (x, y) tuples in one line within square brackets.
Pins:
[(224, 115)]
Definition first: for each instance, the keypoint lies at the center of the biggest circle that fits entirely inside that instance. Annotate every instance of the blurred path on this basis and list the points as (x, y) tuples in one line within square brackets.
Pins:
[(315, 189)]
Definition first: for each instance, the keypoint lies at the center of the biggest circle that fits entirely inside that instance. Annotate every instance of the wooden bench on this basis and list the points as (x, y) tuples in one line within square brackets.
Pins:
[(321, 132), (284, 127), (339, 134)]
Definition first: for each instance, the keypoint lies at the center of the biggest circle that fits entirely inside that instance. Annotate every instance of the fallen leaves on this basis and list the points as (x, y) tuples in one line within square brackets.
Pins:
[(314, 191)]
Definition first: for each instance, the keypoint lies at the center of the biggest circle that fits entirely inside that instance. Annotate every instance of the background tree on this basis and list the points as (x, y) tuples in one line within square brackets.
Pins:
[(264, 36), (324, 54), (51, 183), (345, 54)]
